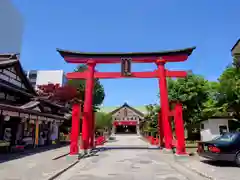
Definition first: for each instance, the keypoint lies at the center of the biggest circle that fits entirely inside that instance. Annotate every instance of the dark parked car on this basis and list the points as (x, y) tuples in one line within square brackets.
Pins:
[(223, 148)]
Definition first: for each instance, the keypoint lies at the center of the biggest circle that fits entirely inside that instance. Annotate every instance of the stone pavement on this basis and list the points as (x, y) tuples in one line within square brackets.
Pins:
[(35, 167), (129, 158), (213, 170)]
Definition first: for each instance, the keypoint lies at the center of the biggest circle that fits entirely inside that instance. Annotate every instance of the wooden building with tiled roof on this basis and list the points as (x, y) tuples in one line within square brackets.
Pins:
[(125, 119), (25, 118)]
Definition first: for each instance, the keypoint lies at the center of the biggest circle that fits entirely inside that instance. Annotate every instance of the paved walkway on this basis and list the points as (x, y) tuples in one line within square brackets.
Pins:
[(213, 170), (38, 166), (128, 158)]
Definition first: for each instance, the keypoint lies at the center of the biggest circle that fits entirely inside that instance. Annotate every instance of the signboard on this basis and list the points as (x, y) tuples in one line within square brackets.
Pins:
[(33, 117), (50, 119), (126, 66), (23, 115), (42, 118), (10, 113)]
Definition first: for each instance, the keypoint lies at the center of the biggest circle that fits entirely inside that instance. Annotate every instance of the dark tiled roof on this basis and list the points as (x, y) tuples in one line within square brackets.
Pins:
[(65, 53), (11, 60), (30, 105), (14, 88), (46, 100), (28, 111)]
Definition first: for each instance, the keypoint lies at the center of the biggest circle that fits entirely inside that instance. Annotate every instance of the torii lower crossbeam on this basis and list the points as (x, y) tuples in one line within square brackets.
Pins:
[(109, 75)]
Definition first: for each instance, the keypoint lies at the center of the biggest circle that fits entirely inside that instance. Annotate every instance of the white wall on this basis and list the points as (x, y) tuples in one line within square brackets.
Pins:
[(46, 77), (211, 128), (11, 28)]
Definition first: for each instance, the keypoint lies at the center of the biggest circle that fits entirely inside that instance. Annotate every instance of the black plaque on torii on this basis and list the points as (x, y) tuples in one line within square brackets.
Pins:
[(126, 66)]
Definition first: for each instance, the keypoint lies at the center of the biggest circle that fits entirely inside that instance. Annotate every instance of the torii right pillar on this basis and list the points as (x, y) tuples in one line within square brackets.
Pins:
[(88, 108), (179, 128), (167, 130)]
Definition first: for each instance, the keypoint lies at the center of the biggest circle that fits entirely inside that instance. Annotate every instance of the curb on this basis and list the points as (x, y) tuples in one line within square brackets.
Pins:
[(58, 157), (199, 173), (182, 168), (63, 170), (60, 172), (195, 170)]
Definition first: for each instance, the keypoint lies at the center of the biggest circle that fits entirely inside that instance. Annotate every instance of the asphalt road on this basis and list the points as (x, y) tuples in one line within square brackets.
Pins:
[(129, 158)]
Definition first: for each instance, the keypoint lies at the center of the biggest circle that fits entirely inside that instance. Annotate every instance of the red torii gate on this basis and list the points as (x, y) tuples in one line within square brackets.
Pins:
[(159, 58)]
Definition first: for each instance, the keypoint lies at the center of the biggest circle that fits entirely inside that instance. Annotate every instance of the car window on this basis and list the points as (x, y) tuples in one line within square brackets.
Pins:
[(228, 137)]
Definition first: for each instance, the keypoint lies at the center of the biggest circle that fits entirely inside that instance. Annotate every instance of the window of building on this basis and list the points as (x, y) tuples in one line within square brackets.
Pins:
[(33, 75), (125, 112), (202, 126), (222, 129)]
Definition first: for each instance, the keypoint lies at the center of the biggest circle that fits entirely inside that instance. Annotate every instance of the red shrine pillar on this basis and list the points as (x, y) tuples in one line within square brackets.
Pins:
[(81, 120), (75, 129), (90, 131), (92, 136), (164, 105), (179, 127), (160, 130), (87, 115)]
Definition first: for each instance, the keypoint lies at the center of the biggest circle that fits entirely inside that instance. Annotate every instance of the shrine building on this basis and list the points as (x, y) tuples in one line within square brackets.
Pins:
[(126, 119)]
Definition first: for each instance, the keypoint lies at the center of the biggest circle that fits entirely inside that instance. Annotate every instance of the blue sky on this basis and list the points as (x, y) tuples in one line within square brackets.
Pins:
[(128, 26)]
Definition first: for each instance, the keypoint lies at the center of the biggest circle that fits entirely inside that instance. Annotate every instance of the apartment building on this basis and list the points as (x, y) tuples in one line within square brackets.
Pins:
[(43, 77)]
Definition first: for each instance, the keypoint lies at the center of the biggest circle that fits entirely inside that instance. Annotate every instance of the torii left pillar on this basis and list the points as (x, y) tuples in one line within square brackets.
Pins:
[(76, 112)]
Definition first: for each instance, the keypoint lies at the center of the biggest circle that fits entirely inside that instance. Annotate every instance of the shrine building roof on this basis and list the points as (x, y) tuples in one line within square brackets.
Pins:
[(109, 109)]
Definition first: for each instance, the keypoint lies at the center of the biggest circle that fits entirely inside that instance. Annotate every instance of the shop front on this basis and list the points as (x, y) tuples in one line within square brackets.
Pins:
[(20, 130)]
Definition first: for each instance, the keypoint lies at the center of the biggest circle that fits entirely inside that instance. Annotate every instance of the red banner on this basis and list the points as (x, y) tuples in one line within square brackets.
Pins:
[(125, 123)]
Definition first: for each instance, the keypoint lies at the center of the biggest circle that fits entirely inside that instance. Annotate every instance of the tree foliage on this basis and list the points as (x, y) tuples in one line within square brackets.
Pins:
[(192, 92), (229, 90), (203, 99), (98, 95), (103, 121), (151, 118), (211, 106), (56, 93)]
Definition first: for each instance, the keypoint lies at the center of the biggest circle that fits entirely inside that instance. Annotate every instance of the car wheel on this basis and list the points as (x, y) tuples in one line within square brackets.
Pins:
[(237, 159)]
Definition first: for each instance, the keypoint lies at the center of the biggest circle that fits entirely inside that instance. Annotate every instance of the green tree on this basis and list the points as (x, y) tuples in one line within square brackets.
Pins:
[(192, 93), (79, 84), (103, 121), (212, 106), (229, 90), (151, 119)]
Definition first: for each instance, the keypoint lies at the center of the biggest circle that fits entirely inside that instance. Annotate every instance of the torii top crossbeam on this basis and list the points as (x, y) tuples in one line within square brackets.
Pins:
[(137, 57)]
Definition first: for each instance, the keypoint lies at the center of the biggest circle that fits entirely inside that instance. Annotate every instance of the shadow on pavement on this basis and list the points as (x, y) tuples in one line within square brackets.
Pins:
[(28, 152), (219, 163), (126, 147)]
